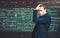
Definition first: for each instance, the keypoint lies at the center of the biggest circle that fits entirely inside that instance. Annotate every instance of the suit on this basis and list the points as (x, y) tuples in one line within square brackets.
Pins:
[(42, 24)]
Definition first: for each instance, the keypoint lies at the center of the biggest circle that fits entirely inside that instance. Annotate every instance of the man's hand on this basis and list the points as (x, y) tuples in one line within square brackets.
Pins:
[(38, 6)]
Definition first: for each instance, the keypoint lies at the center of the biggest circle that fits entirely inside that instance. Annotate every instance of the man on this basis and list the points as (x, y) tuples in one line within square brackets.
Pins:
[(42, 22)]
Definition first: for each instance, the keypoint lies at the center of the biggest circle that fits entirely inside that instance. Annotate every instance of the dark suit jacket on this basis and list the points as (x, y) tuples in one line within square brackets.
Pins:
[(44, 20)]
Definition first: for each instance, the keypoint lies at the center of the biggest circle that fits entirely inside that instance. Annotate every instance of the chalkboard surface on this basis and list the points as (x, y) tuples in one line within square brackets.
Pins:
[(20, 19)]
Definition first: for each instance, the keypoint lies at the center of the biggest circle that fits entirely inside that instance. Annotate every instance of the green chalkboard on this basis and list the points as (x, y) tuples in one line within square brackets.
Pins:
[(20, 19)]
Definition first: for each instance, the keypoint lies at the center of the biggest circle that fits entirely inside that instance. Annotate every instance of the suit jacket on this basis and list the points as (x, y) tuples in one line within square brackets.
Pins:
[(44, 20)]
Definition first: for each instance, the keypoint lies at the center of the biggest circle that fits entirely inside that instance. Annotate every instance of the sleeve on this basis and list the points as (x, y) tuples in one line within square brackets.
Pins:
[(37, 19)]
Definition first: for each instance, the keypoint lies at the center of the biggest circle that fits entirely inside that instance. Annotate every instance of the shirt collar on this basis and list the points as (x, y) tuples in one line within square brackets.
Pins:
[(44, 13)]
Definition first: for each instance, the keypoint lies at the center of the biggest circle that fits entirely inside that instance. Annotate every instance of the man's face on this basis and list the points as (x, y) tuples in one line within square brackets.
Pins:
[(41, 10)]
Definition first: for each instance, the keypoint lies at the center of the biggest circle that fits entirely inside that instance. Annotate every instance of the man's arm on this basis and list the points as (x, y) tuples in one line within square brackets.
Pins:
[(36, 19)]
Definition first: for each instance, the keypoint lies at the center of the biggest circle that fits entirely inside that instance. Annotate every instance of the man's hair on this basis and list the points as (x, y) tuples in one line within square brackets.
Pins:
[(43, 5)]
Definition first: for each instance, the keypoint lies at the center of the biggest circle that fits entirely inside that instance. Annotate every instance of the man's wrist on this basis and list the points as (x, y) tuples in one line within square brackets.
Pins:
[(35, 9)]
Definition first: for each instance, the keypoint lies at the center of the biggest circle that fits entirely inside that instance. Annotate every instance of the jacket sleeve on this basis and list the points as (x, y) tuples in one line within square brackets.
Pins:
[(37, 19)]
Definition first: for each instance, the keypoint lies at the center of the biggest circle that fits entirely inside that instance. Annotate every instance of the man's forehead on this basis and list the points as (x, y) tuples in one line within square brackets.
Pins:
[(41, 7)]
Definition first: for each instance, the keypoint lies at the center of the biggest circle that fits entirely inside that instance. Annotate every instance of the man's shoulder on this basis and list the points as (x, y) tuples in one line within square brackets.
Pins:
[(47, 15)]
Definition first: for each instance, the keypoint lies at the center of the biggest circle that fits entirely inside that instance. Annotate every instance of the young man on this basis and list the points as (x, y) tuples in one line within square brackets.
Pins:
[(42, 22)]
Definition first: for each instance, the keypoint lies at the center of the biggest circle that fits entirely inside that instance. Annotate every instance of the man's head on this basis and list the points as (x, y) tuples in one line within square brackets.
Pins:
[(42, 9)]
